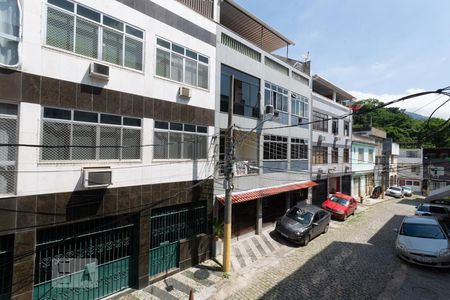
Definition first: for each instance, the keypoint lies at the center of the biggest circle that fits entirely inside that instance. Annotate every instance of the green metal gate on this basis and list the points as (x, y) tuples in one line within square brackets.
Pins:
[(6, 265), (108, 241), (168, 226)]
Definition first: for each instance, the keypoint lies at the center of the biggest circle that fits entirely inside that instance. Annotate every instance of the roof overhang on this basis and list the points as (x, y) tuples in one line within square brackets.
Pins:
[(267, 191), (324, 87), (248, 26)]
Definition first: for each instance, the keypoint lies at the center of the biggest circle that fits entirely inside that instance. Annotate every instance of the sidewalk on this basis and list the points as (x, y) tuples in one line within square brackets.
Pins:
[(207, 278)]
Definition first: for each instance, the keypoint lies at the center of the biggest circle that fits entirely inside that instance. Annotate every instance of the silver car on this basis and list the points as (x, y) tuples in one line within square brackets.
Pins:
[(394, 191), (423, 241), (428, 209)]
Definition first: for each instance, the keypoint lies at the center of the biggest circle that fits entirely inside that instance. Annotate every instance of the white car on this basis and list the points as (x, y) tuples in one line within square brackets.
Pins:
[(407, 191), (394, 191), (423, 240)]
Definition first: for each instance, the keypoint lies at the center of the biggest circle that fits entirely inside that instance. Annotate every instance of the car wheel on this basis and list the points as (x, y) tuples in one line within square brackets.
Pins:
[(306, 241), (326, 228)]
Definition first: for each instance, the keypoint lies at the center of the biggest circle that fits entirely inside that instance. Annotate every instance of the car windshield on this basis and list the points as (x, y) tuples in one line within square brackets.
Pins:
[(299, 215), (426, 231), (395, 188), (423, 208), (340, 200), (407, 188)]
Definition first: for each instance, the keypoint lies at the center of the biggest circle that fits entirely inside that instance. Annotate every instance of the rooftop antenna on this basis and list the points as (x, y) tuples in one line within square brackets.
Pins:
[(306, 57)]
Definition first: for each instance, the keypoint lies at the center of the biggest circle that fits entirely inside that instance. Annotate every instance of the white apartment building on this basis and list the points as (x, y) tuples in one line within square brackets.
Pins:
[(410, 168)]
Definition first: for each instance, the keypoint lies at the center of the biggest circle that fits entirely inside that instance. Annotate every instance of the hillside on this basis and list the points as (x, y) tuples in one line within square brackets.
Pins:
[(402, 127)]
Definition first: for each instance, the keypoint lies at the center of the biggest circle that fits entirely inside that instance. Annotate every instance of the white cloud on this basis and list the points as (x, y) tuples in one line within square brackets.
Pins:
[(423, 105)]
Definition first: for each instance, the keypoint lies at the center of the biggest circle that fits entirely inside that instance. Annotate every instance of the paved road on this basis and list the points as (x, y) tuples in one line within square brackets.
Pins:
[(354, 260)]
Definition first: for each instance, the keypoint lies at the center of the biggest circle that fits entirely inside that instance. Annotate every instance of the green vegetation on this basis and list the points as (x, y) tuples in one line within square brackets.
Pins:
[(401, 127)]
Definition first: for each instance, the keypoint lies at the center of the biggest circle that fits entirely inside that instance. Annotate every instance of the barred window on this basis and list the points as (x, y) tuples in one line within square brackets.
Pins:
[(319, 155), (180, 141), (10, 24), (276, 96), (299, 149), (320, 121), (275, 147), (346, 155), (75, 135), (335, 155), (8, 154), (181, 64), (76, 28)]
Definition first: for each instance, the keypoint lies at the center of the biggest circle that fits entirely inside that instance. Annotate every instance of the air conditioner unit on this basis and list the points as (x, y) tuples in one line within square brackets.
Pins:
[(185, 92), (99, 71), (96, 177)]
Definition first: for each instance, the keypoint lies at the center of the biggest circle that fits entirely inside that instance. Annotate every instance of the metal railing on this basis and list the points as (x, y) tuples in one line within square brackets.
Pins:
[(203, 7)]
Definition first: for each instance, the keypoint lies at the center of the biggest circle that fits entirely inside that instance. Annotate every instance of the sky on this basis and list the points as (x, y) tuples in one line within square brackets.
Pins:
[(383, 49)]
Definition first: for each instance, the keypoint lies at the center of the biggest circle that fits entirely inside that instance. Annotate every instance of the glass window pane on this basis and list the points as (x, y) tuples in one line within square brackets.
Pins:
[(110, 119), (267, 97), (203, 59), (190, 72), (132, 122), (163, 43), (63, 4), (55, 113), (178, 49), (131, 144), (88, 13), (84, 135), (86, 40), (175, 145), (55, 134), (133, 53), (8, 135), (202, 129), (160, 148), (60, 27), (188, 146), (112, 47), (191, 54), (85, 116), (190, 128), (9, 54), (162, 63), (202, 147), (176, 126), (136, 32), (161, 125), (8, 109), (112, 23), (110, 142), (202, 76), (176, 72)]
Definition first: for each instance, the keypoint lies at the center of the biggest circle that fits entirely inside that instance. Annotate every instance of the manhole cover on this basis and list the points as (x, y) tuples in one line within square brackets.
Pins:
[(201, 274)]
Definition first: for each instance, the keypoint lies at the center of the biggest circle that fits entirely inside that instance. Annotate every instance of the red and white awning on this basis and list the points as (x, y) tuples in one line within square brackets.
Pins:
[(267, 191)]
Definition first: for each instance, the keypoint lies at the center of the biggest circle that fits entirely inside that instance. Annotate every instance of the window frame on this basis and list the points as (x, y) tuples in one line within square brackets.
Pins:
[(302, 151), (360, 154), (6, 164), (346, 155), (98, 125), (334, 155), (100, 29), (277, 143), (319, 155), (13, 38), (300, 102), (275, 91), (185, 57), (320, 121)]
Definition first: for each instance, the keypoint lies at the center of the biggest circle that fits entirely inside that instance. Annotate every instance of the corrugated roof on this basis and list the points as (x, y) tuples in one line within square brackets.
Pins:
[(268, 191)]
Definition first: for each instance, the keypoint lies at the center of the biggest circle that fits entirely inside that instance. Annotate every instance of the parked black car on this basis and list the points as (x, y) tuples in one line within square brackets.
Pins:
[(302, 223), (376, 192)]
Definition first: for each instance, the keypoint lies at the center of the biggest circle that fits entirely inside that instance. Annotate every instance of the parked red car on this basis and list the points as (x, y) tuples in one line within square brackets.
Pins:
[(340, 205)]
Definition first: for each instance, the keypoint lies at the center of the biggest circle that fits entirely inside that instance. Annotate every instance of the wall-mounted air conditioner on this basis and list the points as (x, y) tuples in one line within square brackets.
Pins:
[(99, 71), (185, 92), (96, 177), (269, 110)]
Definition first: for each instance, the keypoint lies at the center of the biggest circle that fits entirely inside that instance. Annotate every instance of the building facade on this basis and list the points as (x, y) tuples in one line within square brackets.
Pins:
[(114, 101), (410, 169), (331, 140), (391, 151), (436, 169), (271, 99), (363, 166)]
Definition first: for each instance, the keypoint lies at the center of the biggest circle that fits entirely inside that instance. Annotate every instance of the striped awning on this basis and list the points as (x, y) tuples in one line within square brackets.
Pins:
[(268, 191)]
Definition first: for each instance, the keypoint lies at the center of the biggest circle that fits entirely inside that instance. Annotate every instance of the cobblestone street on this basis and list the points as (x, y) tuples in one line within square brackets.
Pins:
[(354, 260)]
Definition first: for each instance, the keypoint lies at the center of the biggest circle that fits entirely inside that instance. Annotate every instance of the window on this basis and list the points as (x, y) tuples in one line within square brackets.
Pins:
[(415, 169), (180, 141), (10, 16), (276, 66), (275, 147), (320, 121), (335, 126), (181, 64), (92, 136), (76, 28), (346, 128), (334, 155), (299, 149), (246, 92), (319, 155), (276, 96), (370, 155), (412, 154), (346, 155), (299, 106), (361, 154), (8, 155)]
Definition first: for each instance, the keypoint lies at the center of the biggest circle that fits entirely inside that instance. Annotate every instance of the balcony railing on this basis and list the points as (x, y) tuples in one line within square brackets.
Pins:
[(203, 7)]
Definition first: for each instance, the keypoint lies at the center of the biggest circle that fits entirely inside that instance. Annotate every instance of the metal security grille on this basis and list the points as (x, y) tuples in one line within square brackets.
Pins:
[(109, 241), (6, 265), (168, 226), (60, 28), (8, 154)]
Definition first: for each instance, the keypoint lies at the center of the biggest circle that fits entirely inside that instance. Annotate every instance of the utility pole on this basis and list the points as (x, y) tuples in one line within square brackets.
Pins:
[(228, 183)]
